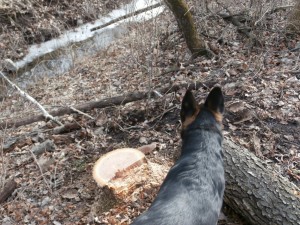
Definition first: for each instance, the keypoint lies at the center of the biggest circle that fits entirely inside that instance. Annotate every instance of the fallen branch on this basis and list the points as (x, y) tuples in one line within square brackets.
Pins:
[(68, 127), (273, 10), (256, 191), (240, 27), (28, 97), (108, 102), (281, 8), (128, 16), (82, 113), (26, 139), (41, 170)]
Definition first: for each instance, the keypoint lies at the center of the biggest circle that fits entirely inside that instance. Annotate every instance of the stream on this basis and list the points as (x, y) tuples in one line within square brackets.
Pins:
[(59, 55)]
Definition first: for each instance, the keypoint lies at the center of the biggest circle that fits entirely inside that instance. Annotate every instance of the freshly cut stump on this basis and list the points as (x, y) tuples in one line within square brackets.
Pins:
[(124, 174), (117, 170)]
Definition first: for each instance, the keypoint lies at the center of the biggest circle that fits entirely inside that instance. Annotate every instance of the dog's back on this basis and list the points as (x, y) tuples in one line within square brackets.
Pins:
[(192, 192)]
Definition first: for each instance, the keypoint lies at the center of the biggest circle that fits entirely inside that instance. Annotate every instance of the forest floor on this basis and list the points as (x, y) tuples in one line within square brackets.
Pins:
[(261, 86)]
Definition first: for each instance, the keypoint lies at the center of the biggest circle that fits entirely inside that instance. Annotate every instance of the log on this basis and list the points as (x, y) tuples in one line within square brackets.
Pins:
[(119, 100), (7, 190), (256, 191), (137, 12)]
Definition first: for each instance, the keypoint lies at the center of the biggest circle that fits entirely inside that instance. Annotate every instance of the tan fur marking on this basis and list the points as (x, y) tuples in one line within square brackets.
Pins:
[(188, 120), (218, 116)]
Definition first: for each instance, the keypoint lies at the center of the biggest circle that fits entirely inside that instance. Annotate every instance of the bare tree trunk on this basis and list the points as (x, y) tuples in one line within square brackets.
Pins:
[(256, 191), (294, 19), (186, 24)]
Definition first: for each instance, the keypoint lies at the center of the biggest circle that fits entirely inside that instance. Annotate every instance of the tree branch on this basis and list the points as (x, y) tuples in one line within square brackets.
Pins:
[(108, 102), (28, 97)]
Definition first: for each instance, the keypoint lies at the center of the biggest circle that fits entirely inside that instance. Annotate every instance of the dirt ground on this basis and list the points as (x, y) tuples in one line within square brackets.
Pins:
[(261, 86)]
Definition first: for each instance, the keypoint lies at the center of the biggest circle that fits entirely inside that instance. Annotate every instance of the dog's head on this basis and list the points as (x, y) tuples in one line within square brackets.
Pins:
[(190, 109)]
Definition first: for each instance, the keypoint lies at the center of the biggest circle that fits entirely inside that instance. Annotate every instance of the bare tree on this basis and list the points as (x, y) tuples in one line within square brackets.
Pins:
[(186, 23)]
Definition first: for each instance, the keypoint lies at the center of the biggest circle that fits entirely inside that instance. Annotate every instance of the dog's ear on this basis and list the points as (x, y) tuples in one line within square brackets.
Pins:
[(215, 101), (189, 106)]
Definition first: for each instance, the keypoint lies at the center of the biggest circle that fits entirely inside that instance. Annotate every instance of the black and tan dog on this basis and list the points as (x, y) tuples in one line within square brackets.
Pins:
[(192, 192)]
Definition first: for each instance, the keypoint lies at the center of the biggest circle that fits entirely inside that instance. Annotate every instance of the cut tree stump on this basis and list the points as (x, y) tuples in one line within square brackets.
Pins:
[(112, 169), (256, 191), (122, 171)]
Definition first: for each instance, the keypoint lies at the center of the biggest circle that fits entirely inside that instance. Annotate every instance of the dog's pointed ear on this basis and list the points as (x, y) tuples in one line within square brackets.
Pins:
[(215, 101), (189, 106)]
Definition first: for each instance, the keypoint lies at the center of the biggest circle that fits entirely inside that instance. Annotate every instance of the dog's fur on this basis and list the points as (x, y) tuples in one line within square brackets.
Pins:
[(192, 192)]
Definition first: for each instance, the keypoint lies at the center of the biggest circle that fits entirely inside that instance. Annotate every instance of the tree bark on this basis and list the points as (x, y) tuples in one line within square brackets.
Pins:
[(256, 191), (186, 24)]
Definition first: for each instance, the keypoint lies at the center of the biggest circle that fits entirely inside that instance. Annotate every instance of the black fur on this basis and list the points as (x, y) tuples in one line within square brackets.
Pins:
[(192, 192)]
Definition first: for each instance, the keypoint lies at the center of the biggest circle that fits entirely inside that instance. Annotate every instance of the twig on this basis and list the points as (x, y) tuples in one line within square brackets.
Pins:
[(28, 97), (2, 177), (284, 7), (260, 19), (128, 15), (157, 93), (42, 173), (82, 113)]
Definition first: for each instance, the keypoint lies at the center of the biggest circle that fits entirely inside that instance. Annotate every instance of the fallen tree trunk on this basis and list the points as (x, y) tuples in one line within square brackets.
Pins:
[(119, 100), (256, 191)]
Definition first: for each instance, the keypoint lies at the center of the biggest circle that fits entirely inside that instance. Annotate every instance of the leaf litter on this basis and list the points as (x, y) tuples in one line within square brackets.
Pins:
[(261, 87)]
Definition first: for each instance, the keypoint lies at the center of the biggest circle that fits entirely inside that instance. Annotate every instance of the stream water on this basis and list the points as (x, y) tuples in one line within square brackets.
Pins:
[(57, 56)]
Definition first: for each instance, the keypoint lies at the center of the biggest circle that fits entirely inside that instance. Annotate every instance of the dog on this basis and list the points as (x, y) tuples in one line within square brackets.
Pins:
[(192, 192)]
